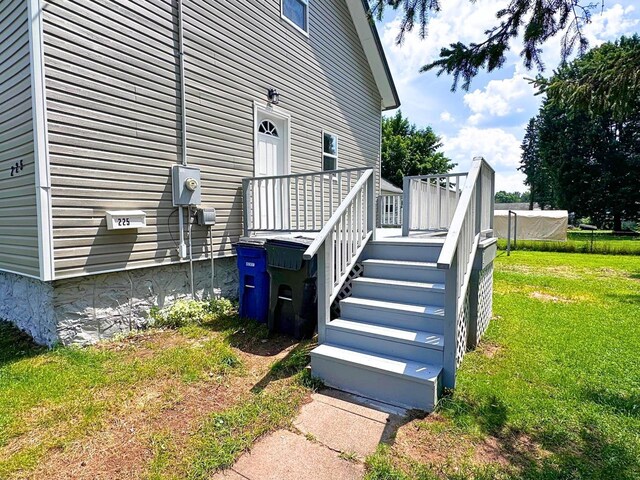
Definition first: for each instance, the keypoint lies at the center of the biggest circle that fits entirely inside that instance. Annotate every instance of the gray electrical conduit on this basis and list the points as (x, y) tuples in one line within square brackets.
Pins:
[(183, 117)]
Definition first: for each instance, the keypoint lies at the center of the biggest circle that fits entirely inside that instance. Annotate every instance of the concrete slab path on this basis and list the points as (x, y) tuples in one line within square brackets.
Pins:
[(333, 435)]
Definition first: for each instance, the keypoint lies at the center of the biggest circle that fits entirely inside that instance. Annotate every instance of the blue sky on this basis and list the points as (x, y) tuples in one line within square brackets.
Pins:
[(490, 118)]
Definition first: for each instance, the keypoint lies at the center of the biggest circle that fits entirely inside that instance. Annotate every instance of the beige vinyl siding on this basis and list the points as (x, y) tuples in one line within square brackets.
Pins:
[(114, 123), (18, 213)]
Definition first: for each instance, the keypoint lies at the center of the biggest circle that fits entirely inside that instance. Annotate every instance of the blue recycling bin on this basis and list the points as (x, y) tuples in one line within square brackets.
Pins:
[(254, 279)]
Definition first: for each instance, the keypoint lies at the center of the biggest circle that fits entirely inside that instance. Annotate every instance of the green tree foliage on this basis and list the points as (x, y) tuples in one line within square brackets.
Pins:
[(590, 157), (409, 150), (538, 178), (606, 82), (535, 21), (511, 197)]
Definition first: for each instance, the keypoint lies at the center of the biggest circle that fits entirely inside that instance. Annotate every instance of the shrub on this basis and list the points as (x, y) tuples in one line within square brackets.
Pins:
[(221, 308), (181, 313)]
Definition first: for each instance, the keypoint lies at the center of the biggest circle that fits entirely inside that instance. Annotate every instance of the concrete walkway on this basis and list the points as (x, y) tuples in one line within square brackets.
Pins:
[(332, 436)]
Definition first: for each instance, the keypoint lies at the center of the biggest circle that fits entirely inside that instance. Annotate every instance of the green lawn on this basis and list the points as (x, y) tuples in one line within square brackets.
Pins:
[(554, 390), (579, 241), (163, 404)]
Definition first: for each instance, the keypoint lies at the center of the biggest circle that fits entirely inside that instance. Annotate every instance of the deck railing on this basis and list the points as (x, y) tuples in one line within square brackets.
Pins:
[(430, 201), (390, 210), (295, 203), (340, 243), (472, 220)]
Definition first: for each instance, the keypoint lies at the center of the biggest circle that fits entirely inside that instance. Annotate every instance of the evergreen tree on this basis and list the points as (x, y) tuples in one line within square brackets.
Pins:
[(535, 21), (590, 157)]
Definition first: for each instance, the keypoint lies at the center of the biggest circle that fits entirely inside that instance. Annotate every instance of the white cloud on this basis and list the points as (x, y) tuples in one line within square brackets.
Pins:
[(499, 98), (608, 25), (510, 182), (500, 148), (458, 20), (447, 117), (504, 102)]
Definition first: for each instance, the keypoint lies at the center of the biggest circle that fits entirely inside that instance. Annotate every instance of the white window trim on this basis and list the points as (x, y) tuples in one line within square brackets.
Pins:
[(270, 110), (324, 154), (292, 23)]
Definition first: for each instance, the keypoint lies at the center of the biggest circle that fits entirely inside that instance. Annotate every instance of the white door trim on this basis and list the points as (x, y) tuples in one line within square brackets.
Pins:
[(263, 107)]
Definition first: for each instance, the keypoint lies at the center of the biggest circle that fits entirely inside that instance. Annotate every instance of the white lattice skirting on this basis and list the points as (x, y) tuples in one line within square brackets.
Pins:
[(345, 291), (462, 330), (481, 303)]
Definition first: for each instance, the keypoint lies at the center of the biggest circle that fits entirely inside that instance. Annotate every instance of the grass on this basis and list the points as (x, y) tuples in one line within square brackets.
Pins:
[(188, 394), (554, 390), (604, 243)]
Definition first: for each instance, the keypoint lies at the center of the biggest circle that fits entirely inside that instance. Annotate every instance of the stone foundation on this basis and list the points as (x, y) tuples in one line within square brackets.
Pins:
[(28, 304), (87, 309)]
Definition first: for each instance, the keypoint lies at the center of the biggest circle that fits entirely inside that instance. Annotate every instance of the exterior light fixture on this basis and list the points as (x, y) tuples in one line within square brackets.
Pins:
[(273, 96)]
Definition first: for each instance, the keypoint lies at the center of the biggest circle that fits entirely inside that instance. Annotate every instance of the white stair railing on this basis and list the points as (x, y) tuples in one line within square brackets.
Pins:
[(295, 203), (340, 243), (473, 219), (430, 201)]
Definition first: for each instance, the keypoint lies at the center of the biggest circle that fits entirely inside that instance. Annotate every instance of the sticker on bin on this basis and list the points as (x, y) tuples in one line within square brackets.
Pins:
[(250, 264)]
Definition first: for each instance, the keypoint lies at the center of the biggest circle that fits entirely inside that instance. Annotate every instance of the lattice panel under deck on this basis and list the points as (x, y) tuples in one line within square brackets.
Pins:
[(485, 299), (345, 291), (462, 329)]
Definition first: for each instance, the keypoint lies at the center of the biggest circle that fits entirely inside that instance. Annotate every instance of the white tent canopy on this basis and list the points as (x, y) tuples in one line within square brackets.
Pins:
[(533, 224)]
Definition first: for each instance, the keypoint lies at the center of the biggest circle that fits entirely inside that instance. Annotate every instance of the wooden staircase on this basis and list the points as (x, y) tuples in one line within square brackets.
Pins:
[(388, 343)]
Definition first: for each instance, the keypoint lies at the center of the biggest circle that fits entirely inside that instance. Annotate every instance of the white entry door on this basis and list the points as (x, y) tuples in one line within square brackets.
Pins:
[(271, 204)]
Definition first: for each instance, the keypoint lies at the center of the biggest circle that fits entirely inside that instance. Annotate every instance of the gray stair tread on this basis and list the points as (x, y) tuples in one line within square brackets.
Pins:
[(408, 241), (419, 372), (439, 287), (411, 308), (401, 263), (426, 339)]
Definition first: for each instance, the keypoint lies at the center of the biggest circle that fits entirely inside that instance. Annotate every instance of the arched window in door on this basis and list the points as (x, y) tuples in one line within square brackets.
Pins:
[(268, 128)]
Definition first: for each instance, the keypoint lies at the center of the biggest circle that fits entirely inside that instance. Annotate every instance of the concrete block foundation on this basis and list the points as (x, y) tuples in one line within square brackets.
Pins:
[(87, 309)]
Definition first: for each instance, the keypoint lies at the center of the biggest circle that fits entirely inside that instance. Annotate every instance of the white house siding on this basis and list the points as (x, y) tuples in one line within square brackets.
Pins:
[(18, 217), (114, 123)]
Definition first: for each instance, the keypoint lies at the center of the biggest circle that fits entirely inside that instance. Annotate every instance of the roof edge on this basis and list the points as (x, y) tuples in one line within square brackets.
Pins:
[(374, 52)]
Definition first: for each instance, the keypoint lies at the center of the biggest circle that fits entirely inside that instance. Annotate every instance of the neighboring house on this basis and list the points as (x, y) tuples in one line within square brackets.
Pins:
[(388, 188), (389, 205), (96, 100)]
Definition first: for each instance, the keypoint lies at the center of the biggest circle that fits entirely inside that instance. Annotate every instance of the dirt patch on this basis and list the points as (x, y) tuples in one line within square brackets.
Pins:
[(429, 441), (562, 271), (122, 446), (545, 297), (489, 350), (434, 442)]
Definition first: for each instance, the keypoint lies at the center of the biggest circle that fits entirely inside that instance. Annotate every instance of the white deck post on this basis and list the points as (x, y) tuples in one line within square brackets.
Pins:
[(245, 206), (325, 260), (450, 325), (371, 205)]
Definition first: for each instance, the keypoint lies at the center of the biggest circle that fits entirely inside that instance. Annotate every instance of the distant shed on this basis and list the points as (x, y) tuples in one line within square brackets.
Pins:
[(534, 224)]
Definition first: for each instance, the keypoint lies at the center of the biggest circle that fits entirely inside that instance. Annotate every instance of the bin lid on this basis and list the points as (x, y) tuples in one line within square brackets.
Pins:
[(251, 242), (288, 241)]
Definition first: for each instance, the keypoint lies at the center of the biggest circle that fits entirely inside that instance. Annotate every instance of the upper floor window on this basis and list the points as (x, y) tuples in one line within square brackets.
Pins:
[(296, 12), (329, 151)]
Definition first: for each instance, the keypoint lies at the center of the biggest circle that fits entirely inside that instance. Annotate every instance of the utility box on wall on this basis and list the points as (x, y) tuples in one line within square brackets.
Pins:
[(186, 185)]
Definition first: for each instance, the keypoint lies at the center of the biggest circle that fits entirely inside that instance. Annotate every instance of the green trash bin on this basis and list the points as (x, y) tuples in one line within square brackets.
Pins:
[(293, 301)]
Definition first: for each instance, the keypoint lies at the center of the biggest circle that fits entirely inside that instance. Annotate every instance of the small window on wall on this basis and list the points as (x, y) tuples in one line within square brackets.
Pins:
[(329, 151), (296, 12)]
